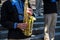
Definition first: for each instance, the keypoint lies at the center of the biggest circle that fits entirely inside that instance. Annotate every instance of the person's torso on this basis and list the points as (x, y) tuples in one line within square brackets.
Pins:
[(49, 6), (13, 16)]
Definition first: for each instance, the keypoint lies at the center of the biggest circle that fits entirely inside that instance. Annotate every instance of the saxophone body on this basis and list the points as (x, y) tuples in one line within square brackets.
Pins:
[(28, 19)]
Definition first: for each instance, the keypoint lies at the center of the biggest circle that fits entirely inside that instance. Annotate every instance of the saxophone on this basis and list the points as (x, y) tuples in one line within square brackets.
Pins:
[(28, 19)]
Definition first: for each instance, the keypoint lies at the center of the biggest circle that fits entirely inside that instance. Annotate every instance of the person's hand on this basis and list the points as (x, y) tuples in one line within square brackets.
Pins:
[(29, 11), (22, 26)]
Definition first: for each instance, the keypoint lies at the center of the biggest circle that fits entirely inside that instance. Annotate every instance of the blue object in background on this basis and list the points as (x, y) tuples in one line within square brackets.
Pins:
[(53, 0)]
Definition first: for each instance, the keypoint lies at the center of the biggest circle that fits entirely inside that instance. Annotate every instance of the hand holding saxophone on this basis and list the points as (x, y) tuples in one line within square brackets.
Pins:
[(29, 11), (22, 26)]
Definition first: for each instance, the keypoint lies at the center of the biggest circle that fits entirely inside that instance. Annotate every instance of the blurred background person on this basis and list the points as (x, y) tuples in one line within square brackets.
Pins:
[(50, 17)]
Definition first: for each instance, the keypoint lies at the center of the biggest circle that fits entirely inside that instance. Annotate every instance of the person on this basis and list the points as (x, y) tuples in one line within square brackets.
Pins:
[(12, 14), (0, 1), (50, 18)]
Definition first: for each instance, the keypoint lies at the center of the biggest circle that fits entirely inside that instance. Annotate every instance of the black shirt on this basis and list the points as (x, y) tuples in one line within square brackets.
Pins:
[(50, 7)]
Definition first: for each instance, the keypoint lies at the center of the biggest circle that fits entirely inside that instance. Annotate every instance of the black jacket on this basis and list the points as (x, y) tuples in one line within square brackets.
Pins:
[(9, 16), (50, 7)]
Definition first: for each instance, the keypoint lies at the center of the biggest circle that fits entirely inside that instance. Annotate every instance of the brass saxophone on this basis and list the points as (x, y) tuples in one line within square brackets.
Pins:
[(28, 19)]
